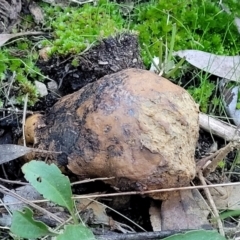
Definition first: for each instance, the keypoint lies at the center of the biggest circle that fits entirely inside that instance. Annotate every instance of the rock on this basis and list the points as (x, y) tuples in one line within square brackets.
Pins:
[(41, 87)]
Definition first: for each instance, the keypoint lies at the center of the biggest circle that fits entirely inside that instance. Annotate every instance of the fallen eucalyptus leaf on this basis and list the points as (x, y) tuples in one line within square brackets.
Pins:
[(222, 66), (4, 37), (11, 151)]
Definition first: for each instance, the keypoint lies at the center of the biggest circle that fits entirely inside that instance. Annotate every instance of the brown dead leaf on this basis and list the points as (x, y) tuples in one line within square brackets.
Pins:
[(96, 213), (99, 211), (226, 197), (182, 211)]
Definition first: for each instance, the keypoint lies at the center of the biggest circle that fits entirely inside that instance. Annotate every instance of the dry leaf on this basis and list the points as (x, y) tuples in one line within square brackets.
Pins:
[(11, 151), (4, 37), (183, 211), (95, 213), (99, 211), (222, 66), (226, 197)]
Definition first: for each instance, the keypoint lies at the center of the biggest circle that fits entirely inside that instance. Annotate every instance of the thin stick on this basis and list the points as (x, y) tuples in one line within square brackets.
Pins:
[(24, 118), (139, 193), (212, 204), (6, 191), (13, 182), (91, 180), (17, 111)]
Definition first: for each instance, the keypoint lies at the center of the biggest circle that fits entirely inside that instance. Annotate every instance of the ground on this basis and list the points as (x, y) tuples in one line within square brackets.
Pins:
[(110, 55)]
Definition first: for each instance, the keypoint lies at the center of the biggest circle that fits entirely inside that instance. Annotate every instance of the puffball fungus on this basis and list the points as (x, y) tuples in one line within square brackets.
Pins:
[(132, 125)]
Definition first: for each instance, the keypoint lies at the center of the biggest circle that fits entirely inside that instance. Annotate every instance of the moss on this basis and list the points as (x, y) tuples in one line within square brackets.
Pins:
[(75, 29), (22, 71)]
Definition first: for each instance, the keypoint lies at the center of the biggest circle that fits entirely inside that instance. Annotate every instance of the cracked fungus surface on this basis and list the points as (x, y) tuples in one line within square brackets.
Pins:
[(132, 125)]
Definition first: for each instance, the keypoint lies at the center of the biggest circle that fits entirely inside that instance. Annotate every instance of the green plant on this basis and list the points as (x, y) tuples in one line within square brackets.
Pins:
[(201, 24), (75, 29), (203, 92), (165, 65), (21, 71), (53, 185), (233, 5)]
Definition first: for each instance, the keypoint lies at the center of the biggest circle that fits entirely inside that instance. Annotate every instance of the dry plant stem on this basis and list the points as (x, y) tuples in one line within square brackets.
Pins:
[(15, 110), (12, 78), (219, 190), (221, 154), (202, 162), (4, 172), (138, 236), (6, 191), (137, 193), (44, 151), (90, 180), (13, 182), (212, 204), (217, 127), (5, 206), (24, 117)]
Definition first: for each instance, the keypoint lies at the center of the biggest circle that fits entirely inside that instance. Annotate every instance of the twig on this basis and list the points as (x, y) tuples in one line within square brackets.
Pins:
[(91, 180), (202, 162), (6, 191), (13, 182), (217, 127), (212, 204), (138, 236), (23, 119), (17, 111), (139, 193), (221, 154), (12, 78)]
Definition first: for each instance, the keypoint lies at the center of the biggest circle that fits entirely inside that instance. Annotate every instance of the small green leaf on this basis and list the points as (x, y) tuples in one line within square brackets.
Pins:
[(23, 225), (230, 213), (50, 182), (197, 235), (76, 232)]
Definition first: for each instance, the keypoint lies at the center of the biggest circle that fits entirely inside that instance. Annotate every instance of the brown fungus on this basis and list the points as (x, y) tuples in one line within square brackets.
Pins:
[(132, 125)]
